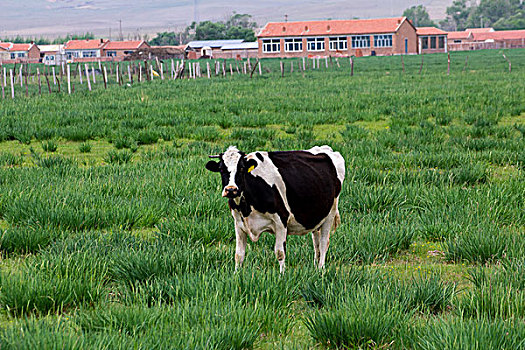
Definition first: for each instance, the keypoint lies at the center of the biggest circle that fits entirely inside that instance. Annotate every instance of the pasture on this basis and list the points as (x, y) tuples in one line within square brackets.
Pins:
[(114, 235)]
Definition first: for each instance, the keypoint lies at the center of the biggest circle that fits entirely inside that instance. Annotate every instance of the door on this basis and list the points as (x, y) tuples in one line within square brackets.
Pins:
[(406, 45)]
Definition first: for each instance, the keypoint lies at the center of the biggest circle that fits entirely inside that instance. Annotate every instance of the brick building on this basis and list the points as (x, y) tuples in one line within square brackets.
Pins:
[(15, 53), (431, 40), (118, 50), (387, 36), (84, 50)]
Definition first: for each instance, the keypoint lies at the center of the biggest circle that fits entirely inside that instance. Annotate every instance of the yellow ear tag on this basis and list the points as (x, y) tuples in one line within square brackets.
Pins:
[(251, 168)]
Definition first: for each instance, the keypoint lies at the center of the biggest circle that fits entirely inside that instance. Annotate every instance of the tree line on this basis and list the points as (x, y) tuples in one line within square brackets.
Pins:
[(463, 14), (45, 41)]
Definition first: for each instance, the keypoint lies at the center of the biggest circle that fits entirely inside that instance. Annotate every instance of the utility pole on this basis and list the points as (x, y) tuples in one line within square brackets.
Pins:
[(121, 37)]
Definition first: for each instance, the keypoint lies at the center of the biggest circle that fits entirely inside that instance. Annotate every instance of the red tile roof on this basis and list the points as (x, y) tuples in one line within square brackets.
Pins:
[(5, 46), (458, 35), (331, 27), (123, 45), (15, 47), (430, 31), (85, 44), (500, 35), (479, 30)]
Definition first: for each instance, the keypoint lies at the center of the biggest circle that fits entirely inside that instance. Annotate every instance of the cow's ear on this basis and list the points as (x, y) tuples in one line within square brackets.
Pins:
[(212, 166), (251, 164)]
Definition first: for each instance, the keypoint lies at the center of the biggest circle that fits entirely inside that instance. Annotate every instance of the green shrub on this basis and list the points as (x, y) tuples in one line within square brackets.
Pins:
[(84, 147), (49, 146), (118, 157)]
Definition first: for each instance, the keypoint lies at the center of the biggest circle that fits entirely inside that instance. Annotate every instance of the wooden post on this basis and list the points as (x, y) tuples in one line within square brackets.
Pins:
[(231, 70), (282, 69), (351, 66), (403, 63), (421, 66), (54, 76), (291, 67), (466, 63), (87, 76), (69, 79), (93, 74), (80, 73), (448, 64), (162, 71), (12, 81), (140, 73), (337, 62), (249, 64), (27, 87), (260, 68), (151, 71), (208, 69), (304, 65), (510, 64), (117, 68), (172, 74), (255, 66), (5, 76), (130, 77), (21, 76), (224, 68), (48, 85), (99, 66), (326, 61), (105, 77), (2, 71), (63, 69), (244, 68), (39, 81)]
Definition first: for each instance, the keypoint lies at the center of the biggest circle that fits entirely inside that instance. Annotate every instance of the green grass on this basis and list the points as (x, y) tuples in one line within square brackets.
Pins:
[(113, 234)]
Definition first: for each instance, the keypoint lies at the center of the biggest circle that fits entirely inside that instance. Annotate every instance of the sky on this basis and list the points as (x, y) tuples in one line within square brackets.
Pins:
[(51, 18)]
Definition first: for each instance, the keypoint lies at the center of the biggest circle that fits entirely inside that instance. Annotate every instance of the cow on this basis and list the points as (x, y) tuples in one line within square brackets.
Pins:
[(284, 193)]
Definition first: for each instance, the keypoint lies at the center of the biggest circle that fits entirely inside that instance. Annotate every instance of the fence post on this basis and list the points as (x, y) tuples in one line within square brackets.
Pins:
[(282, 68), (291, 67), (162, 71), (448, 64), (93, 74), (68, 79), (12, 80), (510, 64), (47, 81), (260, 68), (130, 77), (351, 66), (54, 76), (105, 78), (421, 66), (21, 76), (2, 71), (326, 61), (87, 76), (80, 72), (304, 67), (27, 87), (39, 82)]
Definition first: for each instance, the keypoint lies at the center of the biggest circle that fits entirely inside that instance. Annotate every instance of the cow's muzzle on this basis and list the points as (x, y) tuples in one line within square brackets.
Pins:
[(230, 192)]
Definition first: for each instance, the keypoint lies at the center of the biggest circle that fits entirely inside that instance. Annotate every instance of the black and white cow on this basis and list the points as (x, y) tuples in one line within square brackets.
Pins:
[(284, 193)]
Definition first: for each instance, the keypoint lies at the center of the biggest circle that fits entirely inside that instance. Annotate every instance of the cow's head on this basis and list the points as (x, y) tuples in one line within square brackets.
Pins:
[(233, 167)]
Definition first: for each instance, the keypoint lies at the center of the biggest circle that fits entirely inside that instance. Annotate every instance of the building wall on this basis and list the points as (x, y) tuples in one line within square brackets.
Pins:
[(252, 53), (33, 53), (406, 31), (121, 53), (430, 50)]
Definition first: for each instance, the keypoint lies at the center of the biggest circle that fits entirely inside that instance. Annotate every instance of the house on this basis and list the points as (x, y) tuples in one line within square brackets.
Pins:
[(207, 48), (84, 50), (238, 51), (52, 54), (386, 36), (14, 53), (431, 40), (118, 50), (485, 38)]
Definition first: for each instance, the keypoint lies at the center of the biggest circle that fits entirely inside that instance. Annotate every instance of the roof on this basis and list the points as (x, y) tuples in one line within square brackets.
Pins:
[(430, 31), (123, 45), (479, 30), (241, 46), (458, 35), (199, 44), (332, 27), (15, 47), (500, 35), (50, 48), (85, 44)]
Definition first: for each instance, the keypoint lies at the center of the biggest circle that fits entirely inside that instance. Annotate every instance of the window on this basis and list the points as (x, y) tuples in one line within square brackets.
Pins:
[(383, 40), (293, 45), (21, 54), (128, 52), (457, 41), (13, 56), (338, 43), (111, 53), (89, 54), (72, 54), (441, 42), (432, 42), (359, 41), (271, 45), (315, 44), (424, 42)]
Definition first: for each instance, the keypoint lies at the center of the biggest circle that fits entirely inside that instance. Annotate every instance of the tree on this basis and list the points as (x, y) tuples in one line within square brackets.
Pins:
[(457, 16), (419, 16)]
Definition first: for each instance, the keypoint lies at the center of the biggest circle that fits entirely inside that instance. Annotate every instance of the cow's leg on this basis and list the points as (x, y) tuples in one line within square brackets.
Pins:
[(316, 237), (240, 247), (324, 240), (280, 247)]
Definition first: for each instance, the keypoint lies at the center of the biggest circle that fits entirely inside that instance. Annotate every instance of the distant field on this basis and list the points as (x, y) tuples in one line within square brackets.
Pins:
[(113, 234)]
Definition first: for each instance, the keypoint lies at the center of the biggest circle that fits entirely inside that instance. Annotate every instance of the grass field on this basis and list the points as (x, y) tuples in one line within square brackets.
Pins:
[(113, 234)]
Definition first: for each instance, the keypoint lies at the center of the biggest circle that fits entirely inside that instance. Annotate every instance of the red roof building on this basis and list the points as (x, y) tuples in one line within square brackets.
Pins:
[(11, 53), (84, 50), (387, 36), (431, 40), (121, 49), (486, 38)]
